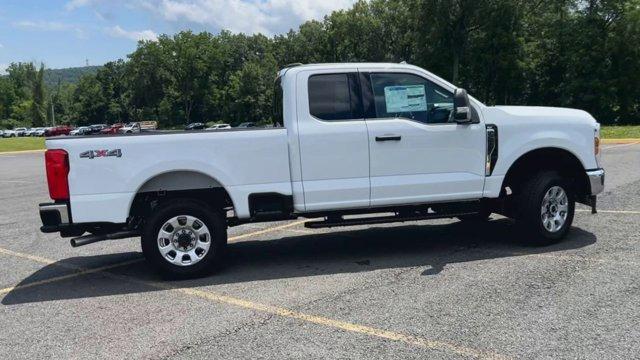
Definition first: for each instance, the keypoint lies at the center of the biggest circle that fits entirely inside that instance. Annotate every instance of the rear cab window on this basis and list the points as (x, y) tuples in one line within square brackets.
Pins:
[(335, 97)]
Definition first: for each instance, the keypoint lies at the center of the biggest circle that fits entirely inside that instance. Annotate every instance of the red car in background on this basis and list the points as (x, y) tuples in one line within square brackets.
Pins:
[(113, 129), (58, 130)]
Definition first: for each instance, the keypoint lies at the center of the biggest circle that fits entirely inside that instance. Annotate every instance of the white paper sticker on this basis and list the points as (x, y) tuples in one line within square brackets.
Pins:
[(405, 98)]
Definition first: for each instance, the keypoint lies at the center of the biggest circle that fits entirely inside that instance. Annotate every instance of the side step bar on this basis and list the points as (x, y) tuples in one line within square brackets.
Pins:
[(339, 221), (90, 239)]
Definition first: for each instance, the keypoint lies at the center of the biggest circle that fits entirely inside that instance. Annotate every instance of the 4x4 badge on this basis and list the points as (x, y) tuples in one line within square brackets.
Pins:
[(90, 154)]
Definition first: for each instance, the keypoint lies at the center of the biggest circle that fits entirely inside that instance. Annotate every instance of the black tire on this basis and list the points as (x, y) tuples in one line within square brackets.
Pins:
[(213, 220), (529, 208)]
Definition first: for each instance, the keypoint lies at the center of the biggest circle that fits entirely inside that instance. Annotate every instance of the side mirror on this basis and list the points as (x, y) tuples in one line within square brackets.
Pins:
[(461, 107)]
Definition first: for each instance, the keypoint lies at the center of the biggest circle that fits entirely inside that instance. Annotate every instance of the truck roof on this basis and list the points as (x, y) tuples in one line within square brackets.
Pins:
[(342, 66)]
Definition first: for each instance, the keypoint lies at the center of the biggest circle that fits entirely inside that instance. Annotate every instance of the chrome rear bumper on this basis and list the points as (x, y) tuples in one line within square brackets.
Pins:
[(54, 216)]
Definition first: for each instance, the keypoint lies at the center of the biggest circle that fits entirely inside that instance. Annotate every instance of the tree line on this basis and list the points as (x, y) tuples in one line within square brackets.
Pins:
[(571, 53)]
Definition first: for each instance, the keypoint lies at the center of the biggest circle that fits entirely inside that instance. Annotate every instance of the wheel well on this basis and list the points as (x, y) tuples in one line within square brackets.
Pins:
[(178, 184), (560, 160)]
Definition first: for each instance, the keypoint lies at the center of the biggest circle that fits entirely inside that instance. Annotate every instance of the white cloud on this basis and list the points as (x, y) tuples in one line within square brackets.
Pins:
[(50, 26), (3, 69), (117, 31), (247, 16)]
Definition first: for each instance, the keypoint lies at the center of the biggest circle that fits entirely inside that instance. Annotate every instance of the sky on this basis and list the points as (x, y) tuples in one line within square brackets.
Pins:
[(70, 33)]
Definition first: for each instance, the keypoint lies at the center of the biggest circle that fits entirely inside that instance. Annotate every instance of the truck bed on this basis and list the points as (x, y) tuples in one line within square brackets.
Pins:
[(107, 171)]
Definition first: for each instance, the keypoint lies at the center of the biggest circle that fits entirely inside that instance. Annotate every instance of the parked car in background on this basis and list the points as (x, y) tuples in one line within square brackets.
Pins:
[(113, 129), (130, 128), (148, 125), (1, 133), (58, 130), (39, 132), (82, 130), (21, 131), (219, 127), (195, 126), (247, 125), (9, 133), (32, 131), (97, 128)]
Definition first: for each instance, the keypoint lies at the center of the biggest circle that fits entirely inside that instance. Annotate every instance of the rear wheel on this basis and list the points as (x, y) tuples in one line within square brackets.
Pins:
[(184, 238), (545, 208)]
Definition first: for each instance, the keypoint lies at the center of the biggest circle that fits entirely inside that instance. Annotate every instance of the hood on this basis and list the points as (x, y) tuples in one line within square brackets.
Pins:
[(538, 114)]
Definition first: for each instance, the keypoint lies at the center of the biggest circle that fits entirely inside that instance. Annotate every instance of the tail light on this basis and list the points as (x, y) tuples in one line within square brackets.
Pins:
[(57, 164), (596, 145)]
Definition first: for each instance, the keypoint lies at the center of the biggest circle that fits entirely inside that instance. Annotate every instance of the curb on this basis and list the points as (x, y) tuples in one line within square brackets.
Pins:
[(22, 152)]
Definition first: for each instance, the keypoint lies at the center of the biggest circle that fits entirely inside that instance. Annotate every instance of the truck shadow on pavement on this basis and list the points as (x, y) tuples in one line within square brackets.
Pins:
[(426, 249)]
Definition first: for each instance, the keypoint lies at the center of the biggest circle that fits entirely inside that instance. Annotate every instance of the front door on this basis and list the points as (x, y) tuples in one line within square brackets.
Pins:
[(417, 154)]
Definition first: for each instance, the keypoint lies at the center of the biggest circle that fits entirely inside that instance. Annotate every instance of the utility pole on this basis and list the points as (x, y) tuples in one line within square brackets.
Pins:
[(53, 110)]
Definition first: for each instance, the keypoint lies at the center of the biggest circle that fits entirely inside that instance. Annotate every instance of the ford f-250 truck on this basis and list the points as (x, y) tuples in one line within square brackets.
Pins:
[(391, 141)]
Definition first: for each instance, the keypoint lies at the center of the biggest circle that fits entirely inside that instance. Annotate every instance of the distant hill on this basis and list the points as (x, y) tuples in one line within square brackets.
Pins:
[(68, 75)]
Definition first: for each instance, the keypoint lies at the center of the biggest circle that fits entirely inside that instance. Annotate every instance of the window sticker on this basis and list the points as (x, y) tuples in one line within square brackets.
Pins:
[(405, 98)]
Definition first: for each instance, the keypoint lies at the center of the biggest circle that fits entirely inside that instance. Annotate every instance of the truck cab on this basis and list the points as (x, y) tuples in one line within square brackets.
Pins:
[(357, 138)]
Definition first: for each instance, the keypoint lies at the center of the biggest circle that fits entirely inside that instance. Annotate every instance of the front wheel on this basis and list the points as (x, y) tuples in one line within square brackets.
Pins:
[(184, 238), (546, 208)]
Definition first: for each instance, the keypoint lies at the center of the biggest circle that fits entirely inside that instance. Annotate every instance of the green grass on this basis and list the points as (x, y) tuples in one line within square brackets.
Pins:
[(21, 144), (620, 132)]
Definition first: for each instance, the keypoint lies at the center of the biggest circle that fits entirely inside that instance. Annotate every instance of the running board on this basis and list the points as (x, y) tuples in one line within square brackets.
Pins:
[(337, 222)]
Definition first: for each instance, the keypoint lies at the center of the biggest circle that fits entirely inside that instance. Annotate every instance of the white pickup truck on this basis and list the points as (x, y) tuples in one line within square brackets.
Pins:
[(391, 141)]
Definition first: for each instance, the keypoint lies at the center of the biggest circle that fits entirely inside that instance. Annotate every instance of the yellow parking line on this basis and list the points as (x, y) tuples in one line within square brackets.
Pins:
[(33, 258), (620, 141), (631, 212), (84, 271), (341, 325), (68, 276), (22, 152), (267, 230), (265, 308)]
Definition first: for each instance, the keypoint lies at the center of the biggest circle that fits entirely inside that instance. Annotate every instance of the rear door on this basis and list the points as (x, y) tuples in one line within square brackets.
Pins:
[(418, 154), (334, 143)]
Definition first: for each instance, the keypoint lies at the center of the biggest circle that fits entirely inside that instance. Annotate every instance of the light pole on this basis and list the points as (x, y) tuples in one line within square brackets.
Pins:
[(53, 110)]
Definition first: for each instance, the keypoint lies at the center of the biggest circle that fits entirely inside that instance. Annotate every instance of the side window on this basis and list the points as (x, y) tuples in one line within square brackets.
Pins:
[(412, 97), (334, 97)]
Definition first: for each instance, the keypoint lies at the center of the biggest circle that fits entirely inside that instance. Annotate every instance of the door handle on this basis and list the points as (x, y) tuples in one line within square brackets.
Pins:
[(389, 138)]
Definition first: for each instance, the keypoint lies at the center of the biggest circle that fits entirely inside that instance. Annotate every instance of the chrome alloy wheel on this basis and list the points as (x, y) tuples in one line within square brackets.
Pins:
[(555, 209), (184, 240)]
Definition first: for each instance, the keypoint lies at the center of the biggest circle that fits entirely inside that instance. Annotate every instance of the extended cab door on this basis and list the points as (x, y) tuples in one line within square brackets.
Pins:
[(334, 147), (417, 154)]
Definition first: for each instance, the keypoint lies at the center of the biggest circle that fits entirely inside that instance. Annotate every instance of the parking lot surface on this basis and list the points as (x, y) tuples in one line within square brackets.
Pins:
[(437, 290)]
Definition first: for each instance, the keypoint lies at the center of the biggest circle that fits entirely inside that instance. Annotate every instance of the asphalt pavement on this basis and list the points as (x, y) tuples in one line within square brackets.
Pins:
[(423, 290)]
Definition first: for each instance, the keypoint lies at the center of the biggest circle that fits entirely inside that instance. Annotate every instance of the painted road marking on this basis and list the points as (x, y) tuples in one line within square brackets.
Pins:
[(22, 152), (84, 271), (68, 276), (619, 145), (619, 141), (283, 312), (267, 230), (628, 212)]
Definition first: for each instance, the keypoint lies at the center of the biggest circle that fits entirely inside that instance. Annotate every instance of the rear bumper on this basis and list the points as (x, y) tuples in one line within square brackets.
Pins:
[(596, 180), (54, 216)]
